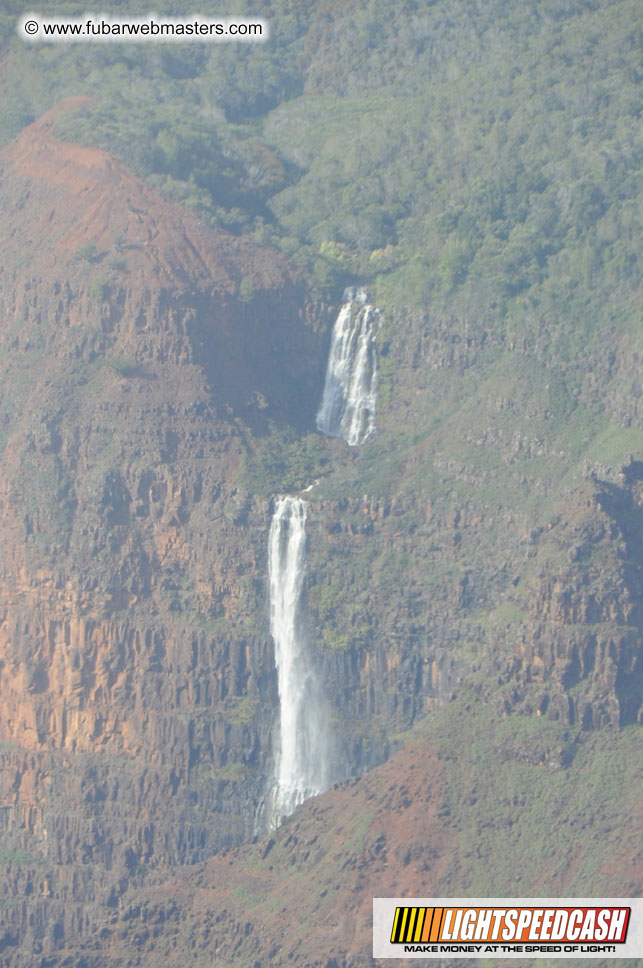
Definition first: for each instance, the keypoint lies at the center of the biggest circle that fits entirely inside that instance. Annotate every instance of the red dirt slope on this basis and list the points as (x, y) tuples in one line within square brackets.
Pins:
[(74, 196)]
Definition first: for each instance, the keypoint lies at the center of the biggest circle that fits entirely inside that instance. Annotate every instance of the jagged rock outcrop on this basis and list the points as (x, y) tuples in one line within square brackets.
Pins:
[(137, 700), (577, 653), (143, 360)]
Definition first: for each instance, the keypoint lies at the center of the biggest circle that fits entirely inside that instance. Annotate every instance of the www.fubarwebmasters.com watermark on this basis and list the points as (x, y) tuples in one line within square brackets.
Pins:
[(102, 27)]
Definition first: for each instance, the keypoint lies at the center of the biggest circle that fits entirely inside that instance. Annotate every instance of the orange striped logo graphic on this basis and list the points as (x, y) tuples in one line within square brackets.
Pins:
[(417, 925), (421, 925)]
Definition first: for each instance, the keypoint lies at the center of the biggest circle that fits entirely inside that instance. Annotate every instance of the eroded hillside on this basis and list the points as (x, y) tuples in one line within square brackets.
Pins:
[(473, 568), (134, 359), (459, 812)]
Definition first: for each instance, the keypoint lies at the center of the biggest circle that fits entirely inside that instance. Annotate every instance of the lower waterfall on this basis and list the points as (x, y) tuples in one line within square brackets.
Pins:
[(303, 754), (347, 407)]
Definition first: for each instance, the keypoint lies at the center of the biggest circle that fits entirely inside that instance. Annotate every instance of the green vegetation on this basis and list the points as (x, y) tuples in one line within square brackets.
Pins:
[(124, 366), (476, 166), (337, 641), (87, 253), (235, 772), (98, 289), (500, 803), (324, 599), (284, 461), (241, 710), (246, 290), (19, 858), (421, 157)]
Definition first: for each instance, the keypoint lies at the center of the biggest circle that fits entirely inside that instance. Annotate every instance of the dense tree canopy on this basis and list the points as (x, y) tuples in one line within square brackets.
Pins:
[(477, 156)]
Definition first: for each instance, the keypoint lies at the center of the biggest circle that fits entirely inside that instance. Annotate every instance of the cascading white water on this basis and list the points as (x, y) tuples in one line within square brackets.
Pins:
[(347, 407), (303, 756)]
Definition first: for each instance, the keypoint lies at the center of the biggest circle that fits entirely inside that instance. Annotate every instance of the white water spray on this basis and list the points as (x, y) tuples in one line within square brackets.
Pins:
[(303, 755), (347, 407)]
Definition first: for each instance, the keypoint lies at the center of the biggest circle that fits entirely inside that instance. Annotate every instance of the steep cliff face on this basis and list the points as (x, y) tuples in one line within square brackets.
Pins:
[(137, 349), (102, 265), (472, 557), (579, 654), (142, 360), (157, 385)]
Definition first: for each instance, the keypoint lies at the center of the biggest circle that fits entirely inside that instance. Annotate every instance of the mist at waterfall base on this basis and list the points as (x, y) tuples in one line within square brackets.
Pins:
[(306, 752), (347, 408), (305, 761)]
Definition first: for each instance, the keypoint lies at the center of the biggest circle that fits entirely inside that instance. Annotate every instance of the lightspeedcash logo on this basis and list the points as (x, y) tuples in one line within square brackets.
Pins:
[(507, 928)]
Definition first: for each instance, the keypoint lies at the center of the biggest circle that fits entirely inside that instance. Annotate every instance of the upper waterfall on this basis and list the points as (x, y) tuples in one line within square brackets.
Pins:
[(347, 407), (303, 754)]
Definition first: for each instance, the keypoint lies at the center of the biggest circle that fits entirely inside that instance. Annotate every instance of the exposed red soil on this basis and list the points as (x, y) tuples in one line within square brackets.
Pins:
[(69, 196), (304, 895)]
